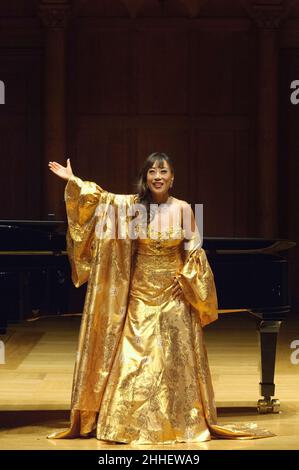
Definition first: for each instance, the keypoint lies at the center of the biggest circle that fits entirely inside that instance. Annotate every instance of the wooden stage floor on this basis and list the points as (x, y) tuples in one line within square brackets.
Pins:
[(36, 381)]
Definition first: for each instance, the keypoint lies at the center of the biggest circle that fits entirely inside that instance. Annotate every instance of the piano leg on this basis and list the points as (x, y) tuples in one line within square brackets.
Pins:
[(268, 332)]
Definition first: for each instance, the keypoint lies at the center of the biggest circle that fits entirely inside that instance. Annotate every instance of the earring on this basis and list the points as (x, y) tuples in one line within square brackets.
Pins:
[(171, 183)]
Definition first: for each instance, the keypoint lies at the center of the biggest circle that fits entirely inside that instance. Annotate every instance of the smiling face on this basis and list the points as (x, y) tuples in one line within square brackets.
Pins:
[(159, 179)]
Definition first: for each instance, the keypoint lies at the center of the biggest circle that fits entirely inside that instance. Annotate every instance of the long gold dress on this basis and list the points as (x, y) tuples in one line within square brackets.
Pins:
[(142, 374)]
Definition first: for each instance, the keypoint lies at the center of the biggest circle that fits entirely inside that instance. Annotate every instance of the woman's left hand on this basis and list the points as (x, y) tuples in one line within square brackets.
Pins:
[(177, 291)]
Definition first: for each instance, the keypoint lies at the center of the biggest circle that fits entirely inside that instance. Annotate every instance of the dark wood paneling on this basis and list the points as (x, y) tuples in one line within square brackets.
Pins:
[(102, 71), (20, 134), (159, 81), (212, 73), (102, 155), (21, 8), (163, 70), (176, 8), (214, 166), (227, 8), (288, 208), (142, 87), (102, 8)]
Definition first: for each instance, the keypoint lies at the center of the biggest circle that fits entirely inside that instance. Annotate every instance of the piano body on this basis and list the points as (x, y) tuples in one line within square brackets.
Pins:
[(34, 270), (251, 274)]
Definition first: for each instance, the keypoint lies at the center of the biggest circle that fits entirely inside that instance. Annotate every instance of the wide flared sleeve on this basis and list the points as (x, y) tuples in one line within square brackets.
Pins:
[(81, 200), (196, 279)]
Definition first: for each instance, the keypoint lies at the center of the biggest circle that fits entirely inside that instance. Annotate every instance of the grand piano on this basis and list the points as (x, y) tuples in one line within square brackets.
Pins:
[(251, 274)]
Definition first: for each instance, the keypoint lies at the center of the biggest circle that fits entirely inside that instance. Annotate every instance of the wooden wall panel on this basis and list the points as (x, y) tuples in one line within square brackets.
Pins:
[(155, 8), (288, 209), (20, 134), (162, 71), (222, 72), (102, 71), (244, 65), (214, 166), (102, 8), (103, 155), (187, 93), (20, 8), (145, 78), (244, 185), (212, 72), (227, 8)]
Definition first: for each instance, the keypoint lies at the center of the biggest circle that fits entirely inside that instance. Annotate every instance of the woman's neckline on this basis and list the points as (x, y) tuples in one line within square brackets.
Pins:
[(171, 229), (168, 201)]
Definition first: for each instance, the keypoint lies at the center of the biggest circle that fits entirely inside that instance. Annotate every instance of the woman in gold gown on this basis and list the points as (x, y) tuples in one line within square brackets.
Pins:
[(141, 374)]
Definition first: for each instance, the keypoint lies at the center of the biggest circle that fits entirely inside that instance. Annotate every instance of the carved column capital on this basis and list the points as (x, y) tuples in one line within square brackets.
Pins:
[(54, 15), (267, 17)]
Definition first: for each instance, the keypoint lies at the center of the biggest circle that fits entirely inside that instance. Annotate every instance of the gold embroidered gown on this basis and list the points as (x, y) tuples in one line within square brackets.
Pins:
[(142, 374), (159, 388)]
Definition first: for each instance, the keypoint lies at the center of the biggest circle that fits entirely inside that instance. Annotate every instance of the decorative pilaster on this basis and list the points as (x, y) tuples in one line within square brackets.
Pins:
[(55, 18), (267, 18)]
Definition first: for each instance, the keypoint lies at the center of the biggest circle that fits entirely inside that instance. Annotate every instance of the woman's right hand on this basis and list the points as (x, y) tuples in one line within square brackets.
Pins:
[(64, 172)]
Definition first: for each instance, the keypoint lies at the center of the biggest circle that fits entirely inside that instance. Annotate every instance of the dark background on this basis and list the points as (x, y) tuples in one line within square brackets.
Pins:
[(106, 82)]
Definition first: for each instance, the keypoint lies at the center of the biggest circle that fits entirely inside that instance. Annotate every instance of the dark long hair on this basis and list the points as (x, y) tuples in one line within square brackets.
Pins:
[(144, 193)]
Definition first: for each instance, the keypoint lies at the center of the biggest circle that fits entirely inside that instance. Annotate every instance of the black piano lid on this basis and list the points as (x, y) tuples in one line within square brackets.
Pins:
[(32, 235), (33, 223), (235, 245)]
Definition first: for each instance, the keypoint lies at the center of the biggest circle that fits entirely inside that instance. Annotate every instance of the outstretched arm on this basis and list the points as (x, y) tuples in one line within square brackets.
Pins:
[(81, 199), (64, 172)]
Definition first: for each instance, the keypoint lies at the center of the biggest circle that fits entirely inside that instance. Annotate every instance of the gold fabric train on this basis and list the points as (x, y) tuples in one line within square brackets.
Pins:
[(141, 374)]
